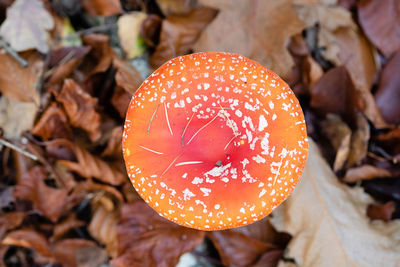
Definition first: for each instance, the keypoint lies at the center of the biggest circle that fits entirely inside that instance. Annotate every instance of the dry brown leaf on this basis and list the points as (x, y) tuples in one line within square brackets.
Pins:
[(53, 123), (101, 55), (66, 225), (328, 222), (74, 252), (28, 238), (80, 108), (51, 202), (176, 7), (82, 162), (381, 23), (26, 26), (339, 134), (120, 100), (64, 61), (129, 33), (359, 141), (141, 230), (365, 172), (84, 188), (102, 7), (382, 212), (253, 29), (238, 249), (16, 117), (127, 77), (388, 94), (19, 83), (114, 144), (103, 227), (179, 33), (10, 220)]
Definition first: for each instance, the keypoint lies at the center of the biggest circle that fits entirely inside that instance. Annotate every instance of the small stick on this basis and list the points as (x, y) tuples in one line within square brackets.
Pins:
[(171, 164), (151, 150), (152, 117), (208, 123), (166, 116), (184, 130), (187, 163), (23, 152), (14, 54)]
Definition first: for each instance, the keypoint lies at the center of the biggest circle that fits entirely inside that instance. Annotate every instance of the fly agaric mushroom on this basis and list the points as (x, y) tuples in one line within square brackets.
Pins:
[(214, 141)]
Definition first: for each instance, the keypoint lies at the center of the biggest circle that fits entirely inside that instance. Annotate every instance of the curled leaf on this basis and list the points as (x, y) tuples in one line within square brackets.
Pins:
[(28, 238), (71, 252), (84, 163), (80, 108), (365, 172)]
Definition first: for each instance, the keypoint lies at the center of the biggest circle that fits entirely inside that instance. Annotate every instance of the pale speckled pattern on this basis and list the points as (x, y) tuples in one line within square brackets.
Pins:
[(214, 141)]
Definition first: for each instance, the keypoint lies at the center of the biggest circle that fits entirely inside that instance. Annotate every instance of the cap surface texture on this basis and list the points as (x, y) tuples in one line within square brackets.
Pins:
[(214, 141)]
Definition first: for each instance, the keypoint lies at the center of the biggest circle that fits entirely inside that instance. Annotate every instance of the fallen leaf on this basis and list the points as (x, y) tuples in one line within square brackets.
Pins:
[(365, 172), (328, 222), (120, 100), (101, 55), (69, 251), (80, 108), (141, 230), (335, 93), (238, 249), (179, 33), (66, 225), (27, 26), (150, 30), (127, 77), (382, 212), (388, 91), (19, 83), (91, 256), (359, 141), (16, 117), (87, 187), (103, 227), (53, 123), (82, 162), (253, 29), (64, 61), (129, 33), (9, 221), (114, 144), (28, 238), (176, 7), (339, 134), (51, 202), (102, 7), (381, 23)]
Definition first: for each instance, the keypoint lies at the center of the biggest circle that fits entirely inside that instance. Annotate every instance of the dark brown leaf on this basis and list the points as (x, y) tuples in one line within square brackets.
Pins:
[(84, 163), (86, 187), (80, 108), (66, 225), (101, 54), (179, 33), (388, 94), (334, 93), (270, 258), (238, 249), (51, 202), (142, 230), (381, 23), (53, 123), (382, 212), (28, 238), (68, 251), (120, 100), (114, 144), (127, 77), (9, 221), (18, 83), (102, 7), (365, 172), (64, 61)]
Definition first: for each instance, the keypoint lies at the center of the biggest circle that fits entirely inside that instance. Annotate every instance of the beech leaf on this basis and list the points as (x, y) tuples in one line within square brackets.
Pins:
[(329, 224), (26, 26)]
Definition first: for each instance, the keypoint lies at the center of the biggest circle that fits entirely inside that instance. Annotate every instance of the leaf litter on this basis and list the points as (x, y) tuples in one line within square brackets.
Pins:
[(65, 197)]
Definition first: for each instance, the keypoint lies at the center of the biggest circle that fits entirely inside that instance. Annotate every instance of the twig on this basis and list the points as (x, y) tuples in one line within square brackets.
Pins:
[(101, 28), (14, 54), (20, 150)]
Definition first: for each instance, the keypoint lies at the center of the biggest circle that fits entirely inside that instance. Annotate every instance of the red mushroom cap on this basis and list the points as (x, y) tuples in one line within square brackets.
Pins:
[(214, 141)]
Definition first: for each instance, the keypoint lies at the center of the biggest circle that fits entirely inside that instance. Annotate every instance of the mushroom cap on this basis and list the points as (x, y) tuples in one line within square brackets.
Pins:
[(214, 141)]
